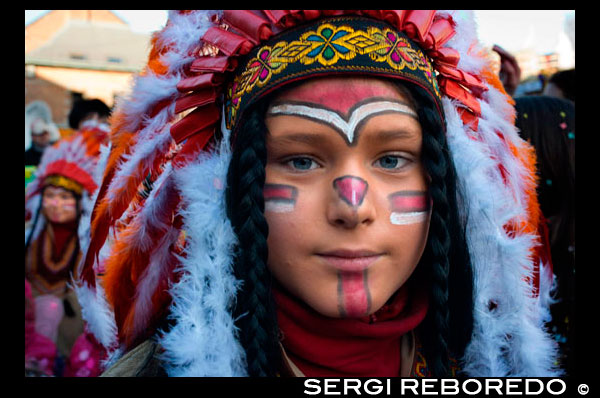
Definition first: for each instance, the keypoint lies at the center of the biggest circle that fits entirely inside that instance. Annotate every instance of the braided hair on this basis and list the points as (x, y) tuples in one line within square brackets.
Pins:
[(445, 265), (255, 310)]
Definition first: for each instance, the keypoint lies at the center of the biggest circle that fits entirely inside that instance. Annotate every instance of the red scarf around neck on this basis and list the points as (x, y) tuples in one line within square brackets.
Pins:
[(62, 233), (321, 346)]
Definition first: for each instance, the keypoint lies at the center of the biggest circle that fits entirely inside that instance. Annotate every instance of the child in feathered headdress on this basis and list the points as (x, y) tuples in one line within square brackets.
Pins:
[(319, 193)]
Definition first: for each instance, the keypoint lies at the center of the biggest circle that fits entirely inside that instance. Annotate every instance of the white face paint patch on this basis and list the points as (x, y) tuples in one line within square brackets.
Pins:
[(280, 198), (408, 218), (409, 207), (346, 126), (278, 207)]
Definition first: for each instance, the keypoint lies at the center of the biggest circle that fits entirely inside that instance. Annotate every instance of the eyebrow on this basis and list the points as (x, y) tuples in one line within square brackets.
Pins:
[(303, 138), (385, 135)]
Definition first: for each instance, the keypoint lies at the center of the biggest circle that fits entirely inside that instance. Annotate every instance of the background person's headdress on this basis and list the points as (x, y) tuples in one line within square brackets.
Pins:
[(162, 194)]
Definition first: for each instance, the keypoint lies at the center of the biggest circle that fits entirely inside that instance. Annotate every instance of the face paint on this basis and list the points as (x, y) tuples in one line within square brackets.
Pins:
[(409, 207), (60, 210), (349, 125), (59, 203), (351, 190), (68, 206), (280, 198), (354, 298)]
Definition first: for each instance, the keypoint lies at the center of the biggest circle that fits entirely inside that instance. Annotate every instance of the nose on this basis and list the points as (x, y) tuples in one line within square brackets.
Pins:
[(51, 202), (349, 205), (351, 189)]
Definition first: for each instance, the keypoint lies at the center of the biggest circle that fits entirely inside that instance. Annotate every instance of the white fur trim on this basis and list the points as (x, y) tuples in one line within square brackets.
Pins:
[(203, 341)]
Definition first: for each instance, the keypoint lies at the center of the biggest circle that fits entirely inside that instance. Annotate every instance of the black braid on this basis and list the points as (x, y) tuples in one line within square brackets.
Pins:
[(255, 311), (34, 225), (446, 264)]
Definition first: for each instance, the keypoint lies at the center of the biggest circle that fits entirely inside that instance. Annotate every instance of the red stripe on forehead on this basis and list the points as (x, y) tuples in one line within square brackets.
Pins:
[(340, 94), (409, 201)]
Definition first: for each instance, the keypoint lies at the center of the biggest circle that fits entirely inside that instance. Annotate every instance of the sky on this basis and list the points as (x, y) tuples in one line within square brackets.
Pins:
[(514, 30)]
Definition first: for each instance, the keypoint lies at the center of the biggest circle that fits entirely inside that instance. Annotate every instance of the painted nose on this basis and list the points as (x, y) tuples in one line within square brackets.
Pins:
[(350, 206), (351, 190), (52, 202)]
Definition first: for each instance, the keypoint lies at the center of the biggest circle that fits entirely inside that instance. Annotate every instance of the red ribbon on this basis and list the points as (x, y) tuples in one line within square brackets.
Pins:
[(199, 81), (213, 64), (251, 25), (228, 42), (193, 145), (196, 121), (197, 98)]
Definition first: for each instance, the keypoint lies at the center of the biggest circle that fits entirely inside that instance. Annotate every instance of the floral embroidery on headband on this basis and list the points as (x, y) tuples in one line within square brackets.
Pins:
[(326, 46)]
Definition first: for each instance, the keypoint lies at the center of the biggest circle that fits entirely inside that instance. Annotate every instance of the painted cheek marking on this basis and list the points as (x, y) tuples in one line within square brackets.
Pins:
[(280, 198), (351, 190), (409, 207), (354, 298)]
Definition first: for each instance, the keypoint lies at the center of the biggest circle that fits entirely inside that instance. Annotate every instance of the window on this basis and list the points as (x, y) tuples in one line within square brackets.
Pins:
[(30, 71), (78, 57)]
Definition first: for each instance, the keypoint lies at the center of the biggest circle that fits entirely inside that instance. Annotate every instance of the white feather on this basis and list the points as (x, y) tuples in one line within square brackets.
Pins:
[(97, 313), (153, 139), (203, 341), (508, 340)]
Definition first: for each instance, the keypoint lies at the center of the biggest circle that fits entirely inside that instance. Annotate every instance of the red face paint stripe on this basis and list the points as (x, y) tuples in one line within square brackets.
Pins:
[(280, 192), (409, 201), (354, 299), (340, 97)]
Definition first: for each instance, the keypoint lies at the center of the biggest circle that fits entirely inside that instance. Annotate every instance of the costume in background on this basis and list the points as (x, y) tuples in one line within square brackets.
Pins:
[(40, 351), (548, 124), (38, 119), (162, 305), (52, 249)]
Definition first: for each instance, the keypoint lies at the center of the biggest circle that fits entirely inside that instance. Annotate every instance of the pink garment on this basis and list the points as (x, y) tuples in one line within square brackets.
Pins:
[(40, 351), (85, 357), (49, 312)]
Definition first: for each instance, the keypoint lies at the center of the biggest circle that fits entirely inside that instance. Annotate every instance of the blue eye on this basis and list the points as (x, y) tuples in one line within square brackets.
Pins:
[(391, 162), (302, 163), (388, 162)]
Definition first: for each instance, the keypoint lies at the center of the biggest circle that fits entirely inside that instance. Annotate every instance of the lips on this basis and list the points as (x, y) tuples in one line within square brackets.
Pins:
[(350, 260)]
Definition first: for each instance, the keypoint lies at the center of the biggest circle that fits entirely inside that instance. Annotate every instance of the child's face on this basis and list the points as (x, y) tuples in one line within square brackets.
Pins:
[(346, 193), (59, 205)]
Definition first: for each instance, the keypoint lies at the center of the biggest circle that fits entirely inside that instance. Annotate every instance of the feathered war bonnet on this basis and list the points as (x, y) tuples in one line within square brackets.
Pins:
[(162, 199)]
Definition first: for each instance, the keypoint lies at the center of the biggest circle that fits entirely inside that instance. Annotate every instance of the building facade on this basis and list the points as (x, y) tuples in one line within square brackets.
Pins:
[(74, 54)]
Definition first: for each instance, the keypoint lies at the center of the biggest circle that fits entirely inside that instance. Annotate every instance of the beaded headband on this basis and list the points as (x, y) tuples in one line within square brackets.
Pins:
[(341, 45), (63, 182)]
